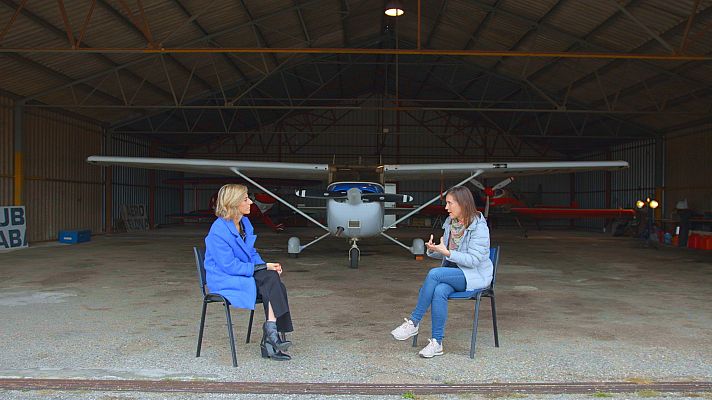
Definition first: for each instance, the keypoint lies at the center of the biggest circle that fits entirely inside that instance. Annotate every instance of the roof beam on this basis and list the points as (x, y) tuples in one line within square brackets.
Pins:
[(532, 28), (118, 67), (360, 51), (146, 32), (60, 34), (672, 31), (61, 76), (642, 25), (566, 35)]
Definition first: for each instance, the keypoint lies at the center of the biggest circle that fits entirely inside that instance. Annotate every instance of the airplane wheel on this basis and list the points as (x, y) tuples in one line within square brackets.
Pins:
[(353, 257), (293, 255)]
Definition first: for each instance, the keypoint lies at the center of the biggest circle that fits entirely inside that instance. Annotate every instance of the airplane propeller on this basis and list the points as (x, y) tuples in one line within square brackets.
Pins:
[(319, 194), (489, 191)]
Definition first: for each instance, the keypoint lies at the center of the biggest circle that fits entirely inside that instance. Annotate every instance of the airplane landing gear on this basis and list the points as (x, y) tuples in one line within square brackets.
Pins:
[(418, 248), (354, 254), (293, 247)]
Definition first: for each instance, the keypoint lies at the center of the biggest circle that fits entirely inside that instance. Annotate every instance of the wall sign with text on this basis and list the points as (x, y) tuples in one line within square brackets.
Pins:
[(135, 217), (13, 232)]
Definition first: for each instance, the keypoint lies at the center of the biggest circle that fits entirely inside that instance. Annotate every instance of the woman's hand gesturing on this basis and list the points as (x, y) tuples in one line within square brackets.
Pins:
[(437, 248)]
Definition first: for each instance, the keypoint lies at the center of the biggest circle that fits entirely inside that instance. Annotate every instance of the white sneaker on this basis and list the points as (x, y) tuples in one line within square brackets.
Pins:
[(405, 331), (432, 349)]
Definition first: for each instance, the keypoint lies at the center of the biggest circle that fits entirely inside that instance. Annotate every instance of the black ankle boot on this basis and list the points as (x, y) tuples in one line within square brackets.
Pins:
[(270, 335), (268, 351)]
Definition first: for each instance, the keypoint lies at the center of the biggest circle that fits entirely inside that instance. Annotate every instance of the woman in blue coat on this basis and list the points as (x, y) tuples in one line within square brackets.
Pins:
[(235, 269), (464, 249)]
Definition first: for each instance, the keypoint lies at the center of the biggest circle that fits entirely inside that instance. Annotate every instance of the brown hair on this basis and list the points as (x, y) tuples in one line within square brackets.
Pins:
[(229, 198), (463, 197)]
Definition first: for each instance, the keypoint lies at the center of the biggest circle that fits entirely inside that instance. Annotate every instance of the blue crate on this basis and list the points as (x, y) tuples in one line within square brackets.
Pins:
[(75, 236)]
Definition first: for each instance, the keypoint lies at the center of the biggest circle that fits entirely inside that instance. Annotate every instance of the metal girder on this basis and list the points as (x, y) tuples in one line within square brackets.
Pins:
[(60, 76), (648, 81), (647, 30), (345, 12), (350, 107), (192, 20), (199, 97), (146, 32), (60, 34), (662, 71), (358, 51), (207, 38), (261, 40), (609, 66), (561, 33), (365, 132), (584, 108), (532, 28), (684, 43)]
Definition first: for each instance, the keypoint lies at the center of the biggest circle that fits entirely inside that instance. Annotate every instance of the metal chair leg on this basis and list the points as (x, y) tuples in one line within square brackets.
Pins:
[(249, 326), (200, 329), (415, 340), (494, 322), (473, 340), (230, 334)]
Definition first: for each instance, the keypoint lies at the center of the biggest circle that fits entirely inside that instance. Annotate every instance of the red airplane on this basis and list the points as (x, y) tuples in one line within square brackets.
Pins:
[(502, 201), (261, 203)]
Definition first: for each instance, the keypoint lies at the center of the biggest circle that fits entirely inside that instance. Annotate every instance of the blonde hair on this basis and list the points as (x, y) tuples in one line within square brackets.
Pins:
[(463, 197), (229, 198)]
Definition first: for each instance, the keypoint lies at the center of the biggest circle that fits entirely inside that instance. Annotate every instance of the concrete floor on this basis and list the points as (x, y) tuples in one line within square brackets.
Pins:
[(572, 307)]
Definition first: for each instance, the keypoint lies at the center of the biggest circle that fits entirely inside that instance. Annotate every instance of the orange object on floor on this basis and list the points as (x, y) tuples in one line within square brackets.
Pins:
[(708, 242), (692, 241)]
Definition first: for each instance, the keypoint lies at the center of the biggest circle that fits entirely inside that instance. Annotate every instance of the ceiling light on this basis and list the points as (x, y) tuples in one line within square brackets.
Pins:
[(653, 204), (394, 8)]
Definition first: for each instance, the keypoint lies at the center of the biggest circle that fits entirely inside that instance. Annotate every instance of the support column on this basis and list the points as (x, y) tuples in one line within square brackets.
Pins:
[(659, 176), (572, 194), (152, 190), (18, 147), (108, 187), (608, 184)]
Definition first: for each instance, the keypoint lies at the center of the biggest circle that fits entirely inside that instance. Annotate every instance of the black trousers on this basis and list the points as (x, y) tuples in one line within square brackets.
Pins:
[(273, 291)]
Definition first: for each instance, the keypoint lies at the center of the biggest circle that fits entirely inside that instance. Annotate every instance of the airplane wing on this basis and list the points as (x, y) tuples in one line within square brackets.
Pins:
[(257, 169), (493, 170), (563, 213)]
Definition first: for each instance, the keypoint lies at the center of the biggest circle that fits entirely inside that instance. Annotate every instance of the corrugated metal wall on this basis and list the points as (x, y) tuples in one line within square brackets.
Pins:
[(6, 151), (627, 186), (61, 191), (131, 185), (688, 168), (638, 181)]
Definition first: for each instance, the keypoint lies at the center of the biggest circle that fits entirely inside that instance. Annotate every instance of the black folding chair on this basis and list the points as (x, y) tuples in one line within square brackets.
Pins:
[(217, 298), (476, 295)]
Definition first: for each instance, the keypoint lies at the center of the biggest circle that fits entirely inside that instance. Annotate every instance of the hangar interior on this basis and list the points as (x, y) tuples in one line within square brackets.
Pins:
[(323, 81), (341, 82)]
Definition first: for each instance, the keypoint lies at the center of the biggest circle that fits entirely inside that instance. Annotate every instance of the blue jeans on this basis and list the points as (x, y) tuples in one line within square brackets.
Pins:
[(438, 285)]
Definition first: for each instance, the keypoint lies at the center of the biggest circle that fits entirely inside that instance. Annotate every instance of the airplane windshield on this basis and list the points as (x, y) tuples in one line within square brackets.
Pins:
[(364, 187)]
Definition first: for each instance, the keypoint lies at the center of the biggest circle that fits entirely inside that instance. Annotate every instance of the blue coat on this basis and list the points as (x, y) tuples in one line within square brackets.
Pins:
[(230, 262), (472, 255)]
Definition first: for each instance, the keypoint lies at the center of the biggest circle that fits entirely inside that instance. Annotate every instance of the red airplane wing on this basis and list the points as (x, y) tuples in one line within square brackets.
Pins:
[(552, 212)]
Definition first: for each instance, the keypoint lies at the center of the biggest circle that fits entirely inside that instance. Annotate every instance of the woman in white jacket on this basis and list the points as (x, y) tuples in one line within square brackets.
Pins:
[(464, 249)]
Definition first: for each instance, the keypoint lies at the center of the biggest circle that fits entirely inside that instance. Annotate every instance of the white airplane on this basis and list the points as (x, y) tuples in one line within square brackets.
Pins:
[(356, 209)]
